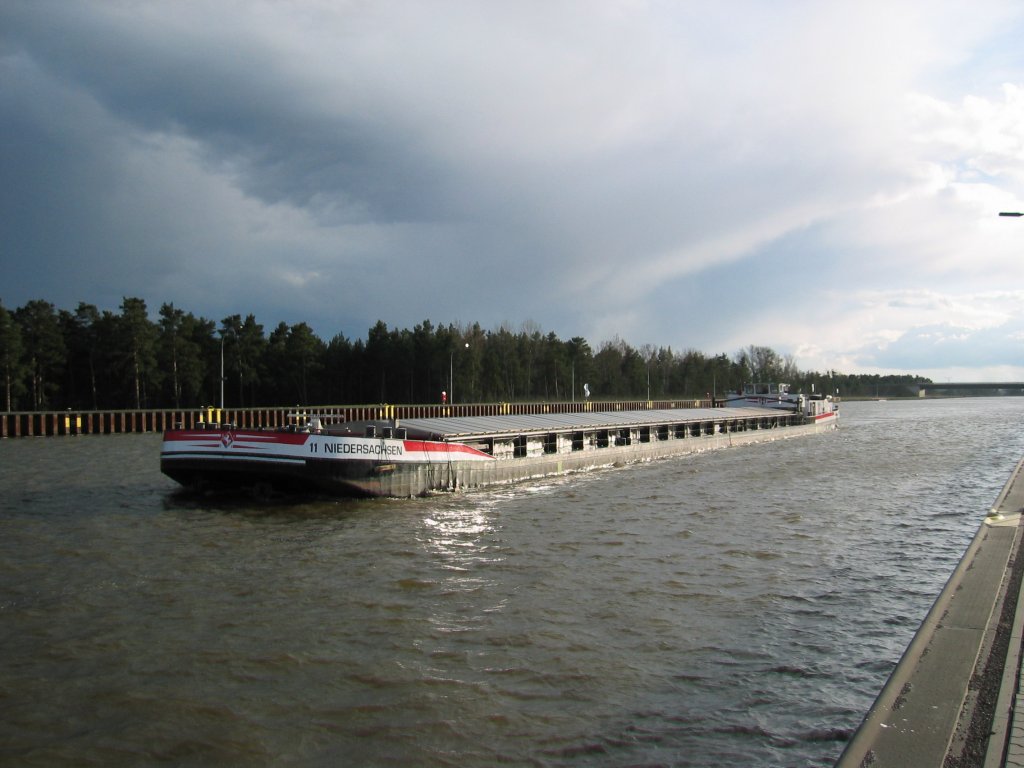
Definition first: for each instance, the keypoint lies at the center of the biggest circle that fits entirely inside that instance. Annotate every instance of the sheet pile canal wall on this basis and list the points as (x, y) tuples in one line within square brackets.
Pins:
[(55, 423)]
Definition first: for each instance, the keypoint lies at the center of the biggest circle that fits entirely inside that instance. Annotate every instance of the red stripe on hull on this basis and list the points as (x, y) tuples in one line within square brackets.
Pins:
[(227, 437), (445, 448)]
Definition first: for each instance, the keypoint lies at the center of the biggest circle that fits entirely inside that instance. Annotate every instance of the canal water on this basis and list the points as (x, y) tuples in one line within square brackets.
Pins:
[(738, 608)]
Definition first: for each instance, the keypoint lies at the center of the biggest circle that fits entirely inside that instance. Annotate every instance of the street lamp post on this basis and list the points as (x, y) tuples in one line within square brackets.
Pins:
[(222, 372), (451, 375)]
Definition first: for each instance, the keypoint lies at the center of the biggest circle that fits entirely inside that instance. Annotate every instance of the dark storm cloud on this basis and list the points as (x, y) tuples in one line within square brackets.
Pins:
[(605, 169)]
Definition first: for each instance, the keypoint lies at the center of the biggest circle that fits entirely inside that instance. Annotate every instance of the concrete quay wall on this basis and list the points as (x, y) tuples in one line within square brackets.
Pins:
[(952, 698)]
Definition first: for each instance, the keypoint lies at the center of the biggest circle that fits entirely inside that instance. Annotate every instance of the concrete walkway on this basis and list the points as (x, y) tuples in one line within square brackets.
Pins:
[(953, 695), (1006, 746)]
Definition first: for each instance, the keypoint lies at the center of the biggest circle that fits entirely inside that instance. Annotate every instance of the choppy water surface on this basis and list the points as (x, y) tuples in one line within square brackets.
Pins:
[(735, 608)]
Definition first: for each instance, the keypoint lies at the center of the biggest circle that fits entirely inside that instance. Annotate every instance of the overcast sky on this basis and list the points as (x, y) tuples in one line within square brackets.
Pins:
[(822, 178)]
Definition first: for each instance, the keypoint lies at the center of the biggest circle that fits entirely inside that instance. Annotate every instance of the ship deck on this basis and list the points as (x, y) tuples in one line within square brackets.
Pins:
[(470, 428)]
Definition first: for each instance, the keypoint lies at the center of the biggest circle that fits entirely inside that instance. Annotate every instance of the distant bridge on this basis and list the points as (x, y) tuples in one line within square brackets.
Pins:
[(996, 387)]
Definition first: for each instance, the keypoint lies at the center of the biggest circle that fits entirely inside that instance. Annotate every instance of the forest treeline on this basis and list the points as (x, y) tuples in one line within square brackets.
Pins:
[(82, 359)]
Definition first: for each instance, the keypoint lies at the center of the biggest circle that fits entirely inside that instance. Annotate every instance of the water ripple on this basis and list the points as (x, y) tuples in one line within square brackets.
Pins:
[(738, 607)]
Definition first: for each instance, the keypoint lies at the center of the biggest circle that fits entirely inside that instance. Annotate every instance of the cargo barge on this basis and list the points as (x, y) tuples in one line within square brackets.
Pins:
[(413, 457)]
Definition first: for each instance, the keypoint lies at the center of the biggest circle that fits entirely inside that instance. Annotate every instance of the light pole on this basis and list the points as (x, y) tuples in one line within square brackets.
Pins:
[(222, 371), (451, 375)]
